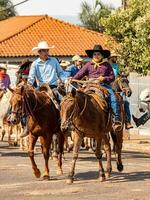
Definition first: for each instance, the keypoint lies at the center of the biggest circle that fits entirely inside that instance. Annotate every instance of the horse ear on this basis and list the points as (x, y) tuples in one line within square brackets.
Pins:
[(22, 89), (73, 92)]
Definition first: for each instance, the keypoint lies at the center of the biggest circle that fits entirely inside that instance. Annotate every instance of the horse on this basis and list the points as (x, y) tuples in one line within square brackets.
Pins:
[(81, 113), (43, 121), (120, 85), (4, 109)]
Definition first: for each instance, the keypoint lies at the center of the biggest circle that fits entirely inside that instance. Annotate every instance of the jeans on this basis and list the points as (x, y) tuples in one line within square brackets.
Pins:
[(126, 108), (113, 102)]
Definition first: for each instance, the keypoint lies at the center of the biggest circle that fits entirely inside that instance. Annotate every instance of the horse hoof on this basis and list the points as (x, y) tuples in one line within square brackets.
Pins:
[(69, 181), (90, 150), (107, 175), (55, 155), (15, 144), (59, 172), (46, 177), (102, 178), (120, 167), (37, 173)]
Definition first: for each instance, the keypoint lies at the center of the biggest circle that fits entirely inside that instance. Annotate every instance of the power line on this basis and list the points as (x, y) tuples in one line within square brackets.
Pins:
[(13, 6)]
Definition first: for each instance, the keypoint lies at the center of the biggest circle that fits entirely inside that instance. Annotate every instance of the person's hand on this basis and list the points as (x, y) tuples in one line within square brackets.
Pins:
[(101, 78)]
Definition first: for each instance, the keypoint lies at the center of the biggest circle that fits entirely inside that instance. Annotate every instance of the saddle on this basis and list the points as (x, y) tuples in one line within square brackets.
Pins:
[(99, 94)]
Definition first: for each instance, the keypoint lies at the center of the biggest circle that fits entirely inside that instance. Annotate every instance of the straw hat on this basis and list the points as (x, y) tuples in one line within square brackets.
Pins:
[(41, 45), (76, 58), (3, 66), (64, 63), (113, 54)]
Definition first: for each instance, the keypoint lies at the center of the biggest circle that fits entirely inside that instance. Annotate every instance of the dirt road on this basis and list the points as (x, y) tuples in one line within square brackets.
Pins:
[(18, 182)]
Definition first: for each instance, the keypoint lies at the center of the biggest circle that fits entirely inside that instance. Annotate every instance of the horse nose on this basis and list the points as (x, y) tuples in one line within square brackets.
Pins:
[(11, 119), (129, 93), (64, 127)]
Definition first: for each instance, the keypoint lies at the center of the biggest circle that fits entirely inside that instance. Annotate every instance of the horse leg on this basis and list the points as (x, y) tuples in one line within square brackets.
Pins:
[(16, 136), (76, 148), (55, 154), (3, 134), (107, 149), (9, 135), (118, 140), (98, 154), (119, 150), (32, 142), (61, 140), (46, 142)]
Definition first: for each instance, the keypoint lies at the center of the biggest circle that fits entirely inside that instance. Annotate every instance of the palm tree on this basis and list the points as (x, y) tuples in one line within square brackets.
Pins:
[(6, 9), (90, 15)]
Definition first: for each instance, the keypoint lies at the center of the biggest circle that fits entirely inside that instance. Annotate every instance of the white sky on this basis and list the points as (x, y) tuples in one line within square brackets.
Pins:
[(55, 7)]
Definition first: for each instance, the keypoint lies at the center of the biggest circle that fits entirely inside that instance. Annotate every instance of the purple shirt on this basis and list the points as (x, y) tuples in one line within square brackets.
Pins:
[(4, 84), (104, 70)]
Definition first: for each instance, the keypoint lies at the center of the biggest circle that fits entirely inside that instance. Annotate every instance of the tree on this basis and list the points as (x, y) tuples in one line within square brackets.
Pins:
[(90, 15), (6, 9), (131, 28)]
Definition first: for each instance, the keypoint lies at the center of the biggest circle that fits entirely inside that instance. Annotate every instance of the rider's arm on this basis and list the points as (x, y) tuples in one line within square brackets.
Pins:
[(32, 74), (82, 72), (110, 77), (60, 72)]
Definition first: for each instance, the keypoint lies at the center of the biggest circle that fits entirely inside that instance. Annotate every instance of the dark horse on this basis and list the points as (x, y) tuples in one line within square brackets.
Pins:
[(43, 120), (81, 112), (121, 84)]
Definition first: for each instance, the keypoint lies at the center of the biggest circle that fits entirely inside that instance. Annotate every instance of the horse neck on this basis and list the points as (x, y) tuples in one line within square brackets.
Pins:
[(116, 86), (4, 103), (30, 100)]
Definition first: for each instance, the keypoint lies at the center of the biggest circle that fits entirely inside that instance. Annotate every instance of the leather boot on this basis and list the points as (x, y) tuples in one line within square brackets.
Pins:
[(142, 120)]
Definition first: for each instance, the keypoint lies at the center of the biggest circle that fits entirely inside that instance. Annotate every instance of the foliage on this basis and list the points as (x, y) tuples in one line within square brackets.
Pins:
[(90, 15), (131, 28), (6, 9)]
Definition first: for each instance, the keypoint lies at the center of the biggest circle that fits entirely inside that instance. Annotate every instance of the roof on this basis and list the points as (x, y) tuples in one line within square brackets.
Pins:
[(19, 34)]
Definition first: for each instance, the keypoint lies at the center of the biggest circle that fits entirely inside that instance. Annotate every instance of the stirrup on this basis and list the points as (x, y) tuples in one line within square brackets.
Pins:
[(117, 126)]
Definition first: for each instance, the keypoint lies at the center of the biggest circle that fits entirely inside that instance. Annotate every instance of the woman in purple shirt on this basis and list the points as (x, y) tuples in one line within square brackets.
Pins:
[(4, 79), (102, 70)]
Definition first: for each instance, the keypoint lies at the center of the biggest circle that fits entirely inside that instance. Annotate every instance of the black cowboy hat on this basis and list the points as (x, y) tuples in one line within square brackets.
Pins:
[(98, 48)]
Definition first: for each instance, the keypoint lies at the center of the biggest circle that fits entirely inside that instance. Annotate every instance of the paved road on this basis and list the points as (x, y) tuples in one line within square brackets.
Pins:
[(18, 182)]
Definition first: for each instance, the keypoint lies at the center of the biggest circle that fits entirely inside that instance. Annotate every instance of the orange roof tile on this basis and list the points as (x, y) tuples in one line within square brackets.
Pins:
[(19, 34)]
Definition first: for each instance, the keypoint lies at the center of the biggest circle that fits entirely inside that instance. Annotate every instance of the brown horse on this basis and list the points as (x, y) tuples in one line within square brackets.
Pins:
[(43, 120), (81, 112), (121, 84)]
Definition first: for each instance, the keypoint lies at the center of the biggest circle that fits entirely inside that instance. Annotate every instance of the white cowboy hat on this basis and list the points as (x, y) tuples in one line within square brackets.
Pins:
[(113, 54), (64, 63), (3, 66), (76, 58), (41, 45)]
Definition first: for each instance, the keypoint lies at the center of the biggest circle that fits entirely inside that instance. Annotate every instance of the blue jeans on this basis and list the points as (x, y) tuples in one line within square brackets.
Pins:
[(126, 108), (113, 102)]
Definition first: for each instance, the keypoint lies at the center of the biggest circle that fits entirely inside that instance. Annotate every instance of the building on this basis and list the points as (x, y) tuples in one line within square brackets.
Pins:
[(19, 34)]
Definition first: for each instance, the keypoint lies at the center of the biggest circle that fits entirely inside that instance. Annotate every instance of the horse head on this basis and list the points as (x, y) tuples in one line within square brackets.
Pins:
[(67, 111), (17, 101), (121, 84)]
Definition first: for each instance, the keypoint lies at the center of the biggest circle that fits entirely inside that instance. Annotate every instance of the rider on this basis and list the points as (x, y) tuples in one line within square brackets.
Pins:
[(75, 67), (98, 68), (4, 78), (45, 69), (112, 59), (23, 72)]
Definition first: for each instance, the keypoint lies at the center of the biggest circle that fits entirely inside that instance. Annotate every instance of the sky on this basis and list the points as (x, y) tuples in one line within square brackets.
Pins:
[(56, 7)]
